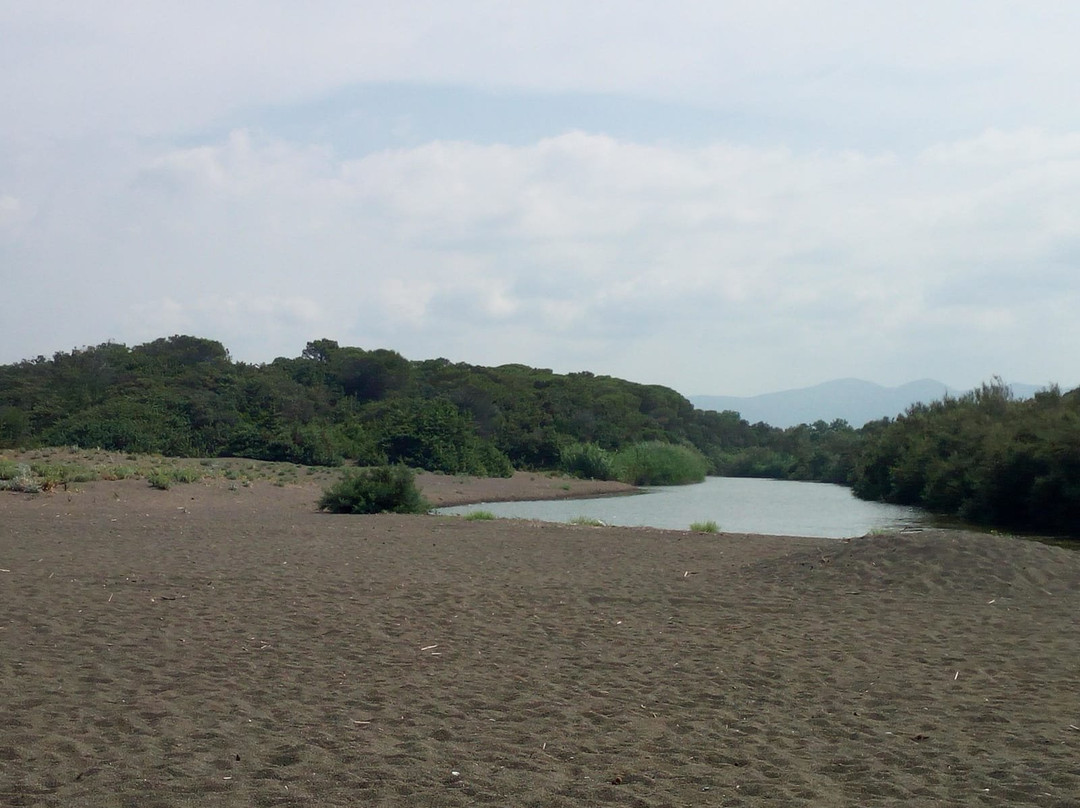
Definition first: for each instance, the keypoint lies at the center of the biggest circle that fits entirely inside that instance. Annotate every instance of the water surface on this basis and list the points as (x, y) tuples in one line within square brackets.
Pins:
[(737, 505)]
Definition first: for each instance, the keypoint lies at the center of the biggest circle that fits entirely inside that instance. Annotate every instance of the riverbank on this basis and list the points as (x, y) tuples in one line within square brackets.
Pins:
[(443, 490), (230, 645)]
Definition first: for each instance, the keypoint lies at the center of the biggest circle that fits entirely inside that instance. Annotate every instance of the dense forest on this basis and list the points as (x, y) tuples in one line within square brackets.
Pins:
[(984, 456)]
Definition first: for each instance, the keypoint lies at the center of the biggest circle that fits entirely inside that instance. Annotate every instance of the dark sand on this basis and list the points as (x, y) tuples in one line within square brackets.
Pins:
[(206, 646)]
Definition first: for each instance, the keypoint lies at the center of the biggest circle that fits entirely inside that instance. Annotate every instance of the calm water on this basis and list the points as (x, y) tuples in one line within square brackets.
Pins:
[(770, 507)]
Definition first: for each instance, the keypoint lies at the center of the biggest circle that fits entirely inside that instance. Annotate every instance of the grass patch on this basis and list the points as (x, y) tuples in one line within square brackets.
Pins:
[(52, 475), (658, 463), (587, 521), (587, 461), (185, 475), (164, 479), (478, 516), (705, 527)]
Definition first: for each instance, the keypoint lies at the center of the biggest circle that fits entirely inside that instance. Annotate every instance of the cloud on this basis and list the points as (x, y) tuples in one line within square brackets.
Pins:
[(763, 194), (121, 66), (585, 236), (283, 325)]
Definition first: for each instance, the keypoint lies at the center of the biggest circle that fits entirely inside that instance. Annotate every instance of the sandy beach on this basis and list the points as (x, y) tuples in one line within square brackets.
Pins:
[(232, 646)]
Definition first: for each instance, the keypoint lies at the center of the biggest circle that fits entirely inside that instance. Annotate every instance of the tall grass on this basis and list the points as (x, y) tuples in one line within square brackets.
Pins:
[(586, 460), (658, 463)]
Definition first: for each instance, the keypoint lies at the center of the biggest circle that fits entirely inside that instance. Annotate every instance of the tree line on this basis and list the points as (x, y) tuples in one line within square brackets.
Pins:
[(984, 457)]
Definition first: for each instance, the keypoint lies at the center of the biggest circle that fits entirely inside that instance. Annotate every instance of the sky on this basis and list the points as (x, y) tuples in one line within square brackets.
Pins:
[(727, 198)]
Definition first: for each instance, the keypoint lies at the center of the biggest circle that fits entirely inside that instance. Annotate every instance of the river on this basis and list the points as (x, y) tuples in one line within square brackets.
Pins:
[(737, 505)]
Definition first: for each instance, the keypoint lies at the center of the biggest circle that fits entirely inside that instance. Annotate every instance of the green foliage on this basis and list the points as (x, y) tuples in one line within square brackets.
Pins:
[(433, 434), (165, 478), (587, 461), (755, 461), (657, 463), (479, 516), (983, 457), (19, 478), (705, 527), (52, 475), (123, 425), (384, 489), (185, 475)]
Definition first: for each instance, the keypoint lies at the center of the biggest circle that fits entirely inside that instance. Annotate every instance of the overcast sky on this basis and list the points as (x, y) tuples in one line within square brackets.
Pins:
[(723, 197)]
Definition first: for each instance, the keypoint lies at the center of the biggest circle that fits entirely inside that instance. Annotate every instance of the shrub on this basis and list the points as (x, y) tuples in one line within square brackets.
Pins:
[(164, 479), (19, 478), (657, 463), (586, 460), (53, 475), (479, 516), (383, 489), (705, 527), (433, 434), (185, 475), (118, 473)]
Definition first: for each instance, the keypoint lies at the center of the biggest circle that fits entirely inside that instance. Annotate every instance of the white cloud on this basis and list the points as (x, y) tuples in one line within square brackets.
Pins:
[(585, 236), (929, 227), (262, 326)]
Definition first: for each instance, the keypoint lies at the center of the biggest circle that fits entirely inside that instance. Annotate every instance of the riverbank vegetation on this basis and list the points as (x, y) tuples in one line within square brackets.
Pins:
[(984, 456)]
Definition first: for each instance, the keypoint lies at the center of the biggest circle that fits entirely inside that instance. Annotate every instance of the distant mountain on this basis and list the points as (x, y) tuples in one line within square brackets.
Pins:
[(853, 400)]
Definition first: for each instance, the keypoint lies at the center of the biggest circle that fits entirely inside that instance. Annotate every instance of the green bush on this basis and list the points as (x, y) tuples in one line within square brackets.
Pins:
[(185, 475), (164, 478), (18, 477), (587, 461), (56, 474), (384, 489), (433, 434), (657, 463), (479, 516), (705, 527)]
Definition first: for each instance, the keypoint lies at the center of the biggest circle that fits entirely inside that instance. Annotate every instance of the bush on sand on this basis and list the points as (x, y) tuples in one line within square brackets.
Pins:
[(383, 489)]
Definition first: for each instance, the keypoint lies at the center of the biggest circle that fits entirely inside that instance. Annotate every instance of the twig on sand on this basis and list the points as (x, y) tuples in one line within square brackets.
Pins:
[(429, 647)]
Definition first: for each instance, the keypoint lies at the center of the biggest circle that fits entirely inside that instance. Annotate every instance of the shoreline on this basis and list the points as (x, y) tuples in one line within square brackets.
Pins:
[(445, 490)]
